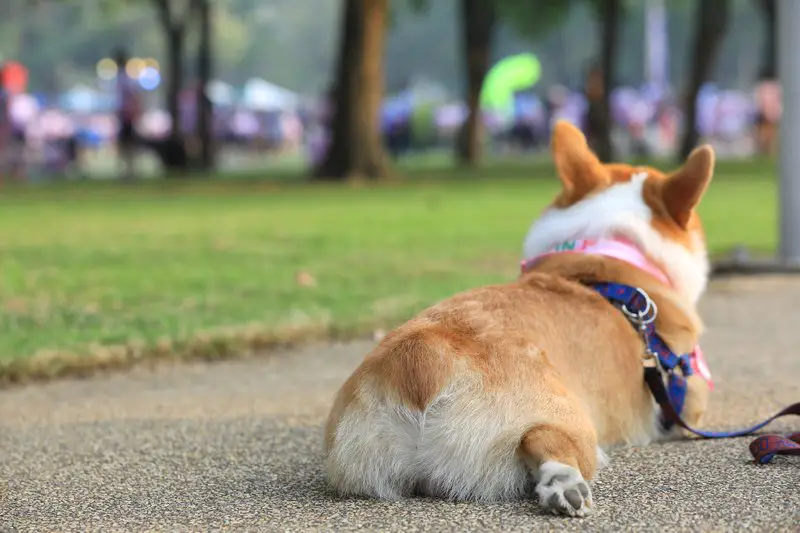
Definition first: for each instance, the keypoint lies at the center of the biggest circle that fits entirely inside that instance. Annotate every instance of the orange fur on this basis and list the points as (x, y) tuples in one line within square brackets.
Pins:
[(571, 445)]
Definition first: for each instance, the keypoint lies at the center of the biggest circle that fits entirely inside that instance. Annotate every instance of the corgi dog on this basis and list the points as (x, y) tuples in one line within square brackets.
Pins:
[(511, 390)]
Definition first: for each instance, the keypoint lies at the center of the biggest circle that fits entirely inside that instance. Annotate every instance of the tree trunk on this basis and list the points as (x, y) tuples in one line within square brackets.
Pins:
[(600, 122), (205, 68), (769, 61), (712, 21), (174, 38), (175, 41), (477, 26), (356, 147), (172, 152)]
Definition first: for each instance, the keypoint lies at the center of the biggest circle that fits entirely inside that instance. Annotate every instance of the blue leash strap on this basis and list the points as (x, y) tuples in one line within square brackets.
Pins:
[(763, 448), (641, 311), (638, 307)]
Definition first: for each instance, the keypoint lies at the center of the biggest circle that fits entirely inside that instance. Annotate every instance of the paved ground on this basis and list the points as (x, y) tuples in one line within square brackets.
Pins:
[(237, 445)]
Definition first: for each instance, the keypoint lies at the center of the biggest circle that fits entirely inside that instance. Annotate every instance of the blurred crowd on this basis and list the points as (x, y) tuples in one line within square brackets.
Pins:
[(41, 135), (646, 120)]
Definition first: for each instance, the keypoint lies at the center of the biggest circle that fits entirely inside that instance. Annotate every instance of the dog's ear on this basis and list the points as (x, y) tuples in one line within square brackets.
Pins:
[(684, 188), (579, 169)]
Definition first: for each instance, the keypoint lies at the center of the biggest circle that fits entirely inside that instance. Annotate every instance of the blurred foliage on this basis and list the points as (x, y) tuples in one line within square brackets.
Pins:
[(292, 42), (533, 18)]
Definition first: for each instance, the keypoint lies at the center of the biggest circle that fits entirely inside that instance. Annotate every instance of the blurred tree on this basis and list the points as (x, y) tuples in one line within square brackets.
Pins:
[(174, 16), (14, 36), (477, 29), (479, 20), (205, 69), (710, 26), (533, 19), (769, 62), (601, 79), (356, 147), (291, 42)]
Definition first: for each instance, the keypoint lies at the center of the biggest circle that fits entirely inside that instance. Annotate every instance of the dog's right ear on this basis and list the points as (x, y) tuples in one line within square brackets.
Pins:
[(580, 171), (684, 188)]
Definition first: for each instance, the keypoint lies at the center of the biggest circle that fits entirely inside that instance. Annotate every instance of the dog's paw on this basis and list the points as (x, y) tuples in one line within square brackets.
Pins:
[(562, 490)]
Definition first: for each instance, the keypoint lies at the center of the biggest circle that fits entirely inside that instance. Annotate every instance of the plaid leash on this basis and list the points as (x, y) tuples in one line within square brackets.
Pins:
[(641, 312)]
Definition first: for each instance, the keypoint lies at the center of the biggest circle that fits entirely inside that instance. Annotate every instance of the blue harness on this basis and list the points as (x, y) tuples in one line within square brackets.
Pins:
[(641, 312)]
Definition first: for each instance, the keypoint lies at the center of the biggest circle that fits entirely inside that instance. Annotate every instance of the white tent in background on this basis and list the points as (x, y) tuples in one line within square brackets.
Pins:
[(220, 93), (261, 95), (425, 90)]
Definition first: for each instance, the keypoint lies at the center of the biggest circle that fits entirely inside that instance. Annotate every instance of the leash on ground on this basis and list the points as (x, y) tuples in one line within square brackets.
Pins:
[(641, 312), (763, 449)]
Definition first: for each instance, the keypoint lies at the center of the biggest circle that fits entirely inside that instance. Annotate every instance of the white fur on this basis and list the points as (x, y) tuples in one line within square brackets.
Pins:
[(651, 429), (602, 459), (553, 480), (620, 211), (462, 447)]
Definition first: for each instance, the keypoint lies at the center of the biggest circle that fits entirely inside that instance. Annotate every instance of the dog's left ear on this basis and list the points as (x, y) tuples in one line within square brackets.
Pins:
[(579, 169), (685, 187)]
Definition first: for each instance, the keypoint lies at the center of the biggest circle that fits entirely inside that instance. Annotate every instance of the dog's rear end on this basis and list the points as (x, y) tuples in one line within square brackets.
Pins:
[(459, 403)]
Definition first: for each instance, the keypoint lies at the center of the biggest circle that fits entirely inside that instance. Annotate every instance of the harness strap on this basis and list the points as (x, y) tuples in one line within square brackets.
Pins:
[(641, 312), (763, 449)]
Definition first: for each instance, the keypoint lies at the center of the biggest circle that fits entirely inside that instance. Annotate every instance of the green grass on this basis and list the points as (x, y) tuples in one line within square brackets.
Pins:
[(97, 275)]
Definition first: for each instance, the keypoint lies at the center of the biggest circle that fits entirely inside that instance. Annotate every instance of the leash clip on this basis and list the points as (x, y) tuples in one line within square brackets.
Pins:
[(646, 316), (641, 319), (650, 358)]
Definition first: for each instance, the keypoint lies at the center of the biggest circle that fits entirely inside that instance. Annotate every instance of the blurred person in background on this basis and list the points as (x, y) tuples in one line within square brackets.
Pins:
[(667, 118), (768, 113), (12, 132), (318, 147), (594, 91), (22, 111), (128, 114), (292, 130), (639, 116), (5, 131), (555, 104), (187, 107), (523, 132)]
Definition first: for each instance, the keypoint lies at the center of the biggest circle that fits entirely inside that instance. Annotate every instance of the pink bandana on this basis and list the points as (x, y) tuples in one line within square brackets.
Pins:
[(624, 251)]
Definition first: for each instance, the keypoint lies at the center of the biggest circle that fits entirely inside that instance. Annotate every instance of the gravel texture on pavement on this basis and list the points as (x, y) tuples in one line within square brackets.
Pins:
[(237, 446)]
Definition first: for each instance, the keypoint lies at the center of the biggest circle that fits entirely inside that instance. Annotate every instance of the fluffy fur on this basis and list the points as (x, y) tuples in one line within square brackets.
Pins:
[(620, 211), (510, 391)]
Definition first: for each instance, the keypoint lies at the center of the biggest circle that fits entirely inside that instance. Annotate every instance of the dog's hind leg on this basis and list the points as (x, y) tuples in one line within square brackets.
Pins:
[(563, 458)]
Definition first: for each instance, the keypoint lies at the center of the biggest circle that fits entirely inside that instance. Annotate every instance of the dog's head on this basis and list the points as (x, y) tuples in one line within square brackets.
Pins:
[(654, 210)]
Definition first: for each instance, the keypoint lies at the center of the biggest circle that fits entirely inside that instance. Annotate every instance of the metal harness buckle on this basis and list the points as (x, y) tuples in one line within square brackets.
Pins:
[(642, 319)]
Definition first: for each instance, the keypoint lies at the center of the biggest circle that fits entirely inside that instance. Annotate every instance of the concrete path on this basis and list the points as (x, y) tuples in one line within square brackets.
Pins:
[(236, 445)]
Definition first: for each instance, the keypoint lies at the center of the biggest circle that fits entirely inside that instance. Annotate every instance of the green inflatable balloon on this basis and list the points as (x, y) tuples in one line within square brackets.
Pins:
[(510, 74)]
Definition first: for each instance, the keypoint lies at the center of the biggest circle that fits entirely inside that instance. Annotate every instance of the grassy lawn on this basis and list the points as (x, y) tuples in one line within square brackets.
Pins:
[(99, 275)]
